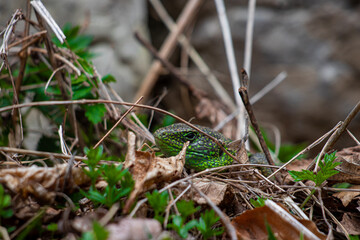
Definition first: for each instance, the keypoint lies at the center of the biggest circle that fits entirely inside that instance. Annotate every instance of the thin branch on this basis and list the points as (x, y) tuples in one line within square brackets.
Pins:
[(44, 13), (278, 79), (186, 16), (241, 124), (353, 137), (245, 98), (117, 123), (336, 135), (176, 73), (343, 126), (249, 36), (318, 141), (40, 153), (24, 39), (194, 55), (224, 219)]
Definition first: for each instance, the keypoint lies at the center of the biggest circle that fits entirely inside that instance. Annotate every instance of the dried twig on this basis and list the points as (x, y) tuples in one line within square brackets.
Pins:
[(44, 13), (186, 16), (278, 79), (319, 140), (242, 123), (249, 36), (176, 73), (117, 123), (336, 135), (40, 153), (224, 219), (245, 98), (353, 137), (194, 55)]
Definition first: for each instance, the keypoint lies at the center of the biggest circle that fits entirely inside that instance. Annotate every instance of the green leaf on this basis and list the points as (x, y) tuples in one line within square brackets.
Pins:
[(186, 208), (95, 113), (158, 201), (326, 170), (259, 202), (80, 92), (87, 66), (206, 222), (52, 227), (77, 80), (303, 175), (108, 78)]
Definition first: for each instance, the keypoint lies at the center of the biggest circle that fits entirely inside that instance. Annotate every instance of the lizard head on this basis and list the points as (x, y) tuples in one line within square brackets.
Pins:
[(171, 139)]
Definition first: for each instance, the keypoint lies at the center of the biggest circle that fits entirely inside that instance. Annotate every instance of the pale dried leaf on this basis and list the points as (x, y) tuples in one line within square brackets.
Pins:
[(148, 169), (134, 228), (42, 182), (351, 224), (346, 197), (215, 190)]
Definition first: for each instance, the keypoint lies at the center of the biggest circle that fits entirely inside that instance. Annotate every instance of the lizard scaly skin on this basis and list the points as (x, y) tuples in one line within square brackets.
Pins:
[(202, 152)]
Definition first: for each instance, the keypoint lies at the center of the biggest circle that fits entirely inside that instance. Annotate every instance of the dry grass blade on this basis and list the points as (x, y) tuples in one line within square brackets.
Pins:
[(168, 46), (40, 8), (194, 55), (225, 27)]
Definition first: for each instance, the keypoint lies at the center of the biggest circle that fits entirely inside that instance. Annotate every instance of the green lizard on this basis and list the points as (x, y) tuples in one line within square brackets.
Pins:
[(202, 152)]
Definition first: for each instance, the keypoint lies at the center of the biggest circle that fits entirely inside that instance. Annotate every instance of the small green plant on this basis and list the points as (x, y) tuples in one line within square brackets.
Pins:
[(206, 222), (259, 202), (158, 202), (91, 170), (5, 202), (327, 169), (179, 224), (98, 233), (114, 175)]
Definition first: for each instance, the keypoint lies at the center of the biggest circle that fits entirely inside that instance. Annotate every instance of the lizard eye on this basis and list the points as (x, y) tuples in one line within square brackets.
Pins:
[(190, 136)]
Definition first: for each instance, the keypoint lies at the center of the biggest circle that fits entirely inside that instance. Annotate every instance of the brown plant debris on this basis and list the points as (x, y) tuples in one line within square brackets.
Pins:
[(349, 170), (148, 170), (215, 190), (252, 225), (43, 182)]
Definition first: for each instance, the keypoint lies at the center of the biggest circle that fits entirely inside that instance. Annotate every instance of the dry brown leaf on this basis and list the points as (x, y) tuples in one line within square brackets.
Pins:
[(346, 197), (147, 169), (251, 225), (215, 190), (134, 228), (349, 170), (42, 182), (351, 224)]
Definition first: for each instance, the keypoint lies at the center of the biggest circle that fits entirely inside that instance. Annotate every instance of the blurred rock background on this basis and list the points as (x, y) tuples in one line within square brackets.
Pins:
[(316, 42)]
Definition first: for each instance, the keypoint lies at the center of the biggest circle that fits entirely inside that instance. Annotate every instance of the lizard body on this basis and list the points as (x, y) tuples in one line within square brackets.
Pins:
[(202, 152)]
